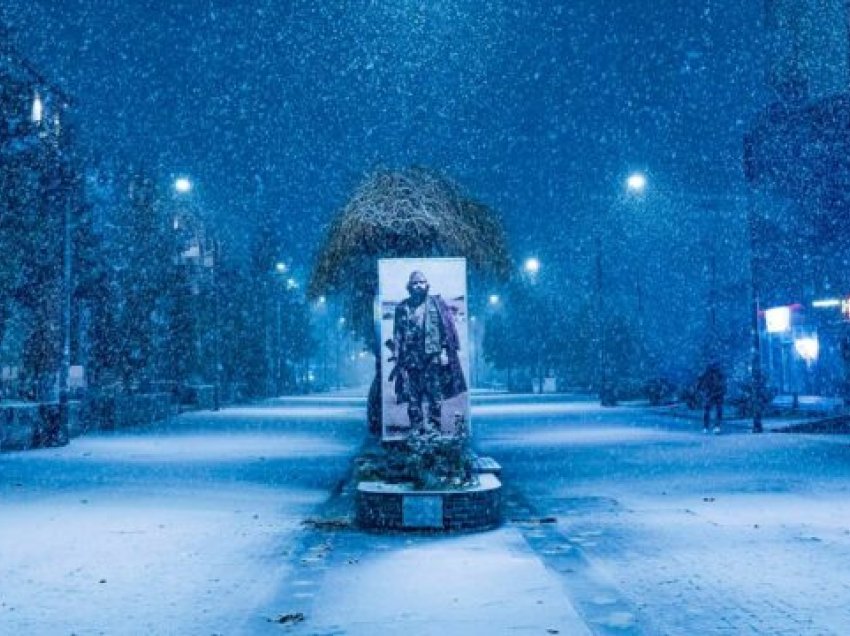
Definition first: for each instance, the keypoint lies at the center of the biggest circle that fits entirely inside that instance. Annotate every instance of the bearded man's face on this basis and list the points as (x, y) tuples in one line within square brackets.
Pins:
[(418, 286)]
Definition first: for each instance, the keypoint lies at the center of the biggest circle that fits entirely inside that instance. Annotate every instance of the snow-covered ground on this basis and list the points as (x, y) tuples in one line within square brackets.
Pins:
[(737, 533), (475, 585), (194, 527), (181, 528)]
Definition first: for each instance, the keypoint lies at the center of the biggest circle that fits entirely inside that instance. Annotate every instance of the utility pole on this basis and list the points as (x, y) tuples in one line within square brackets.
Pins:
[(65, 367), (278, 348), (216, 327), (755, 348), (602, 376)]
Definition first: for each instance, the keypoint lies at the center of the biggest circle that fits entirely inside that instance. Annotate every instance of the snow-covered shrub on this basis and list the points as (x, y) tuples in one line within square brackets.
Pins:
[(425, 459), (434, 462), (742, 398), (660, 391)]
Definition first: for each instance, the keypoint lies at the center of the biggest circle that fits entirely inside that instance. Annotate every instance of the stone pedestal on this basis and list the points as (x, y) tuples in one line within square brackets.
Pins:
[(383, 506)]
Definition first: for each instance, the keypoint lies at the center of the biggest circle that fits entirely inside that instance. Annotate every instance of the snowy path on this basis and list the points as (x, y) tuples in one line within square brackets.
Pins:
[(179, 529), (736, 534), (464, 585), (194, 527)]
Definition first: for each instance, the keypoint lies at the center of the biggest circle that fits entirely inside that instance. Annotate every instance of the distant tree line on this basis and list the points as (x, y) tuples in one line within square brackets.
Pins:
[(534, 334), (39, 184), (160, 297)]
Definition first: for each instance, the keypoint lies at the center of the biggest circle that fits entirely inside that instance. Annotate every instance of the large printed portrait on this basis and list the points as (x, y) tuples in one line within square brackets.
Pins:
[(424, 336)]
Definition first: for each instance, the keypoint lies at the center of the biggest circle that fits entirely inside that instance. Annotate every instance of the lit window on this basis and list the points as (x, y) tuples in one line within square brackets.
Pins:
[(777, 319), (807, 348)]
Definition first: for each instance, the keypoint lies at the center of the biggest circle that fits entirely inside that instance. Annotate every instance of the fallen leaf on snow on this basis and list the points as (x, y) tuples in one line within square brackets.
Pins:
[(539, 520), (288, 619), (340, 523)]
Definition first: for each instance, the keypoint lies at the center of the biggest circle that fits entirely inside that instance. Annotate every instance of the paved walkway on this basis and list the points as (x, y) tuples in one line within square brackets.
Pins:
[(510, 580), (617, 521), (475, 584), (730, 534), (811, 413)]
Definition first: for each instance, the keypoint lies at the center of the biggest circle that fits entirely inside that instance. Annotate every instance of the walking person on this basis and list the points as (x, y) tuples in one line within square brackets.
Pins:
[(711, 385)]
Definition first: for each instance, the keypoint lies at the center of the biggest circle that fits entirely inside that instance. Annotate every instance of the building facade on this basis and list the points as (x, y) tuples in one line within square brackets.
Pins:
[(38, 198), (797, 164)]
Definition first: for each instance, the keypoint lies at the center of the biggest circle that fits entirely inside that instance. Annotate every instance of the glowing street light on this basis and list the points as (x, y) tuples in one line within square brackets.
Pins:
[(494, 300), (37, 109), (280, 267), (636, 183), (183, 185), (531, 265)]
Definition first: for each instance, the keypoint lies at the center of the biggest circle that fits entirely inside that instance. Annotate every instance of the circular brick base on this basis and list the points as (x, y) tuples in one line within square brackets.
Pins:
[(383, 506)]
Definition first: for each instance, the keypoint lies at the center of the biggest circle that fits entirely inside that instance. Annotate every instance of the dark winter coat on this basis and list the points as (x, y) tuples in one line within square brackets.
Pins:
[(712, 384), (414, 351)]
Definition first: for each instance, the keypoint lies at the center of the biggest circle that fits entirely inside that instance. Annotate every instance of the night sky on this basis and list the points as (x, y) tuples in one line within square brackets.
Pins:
[(285, 106)]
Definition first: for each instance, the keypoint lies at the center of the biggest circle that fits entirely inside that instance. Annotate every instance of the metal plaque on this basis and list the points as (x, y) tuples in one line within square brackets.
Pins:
[(422, 511)]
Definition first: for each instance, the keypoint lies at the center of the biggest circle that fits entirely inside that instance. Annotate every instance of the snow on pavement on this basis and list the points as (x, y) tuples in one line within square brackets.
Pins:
[(192, 527), (737, 533), (179, 528), (465, 585)]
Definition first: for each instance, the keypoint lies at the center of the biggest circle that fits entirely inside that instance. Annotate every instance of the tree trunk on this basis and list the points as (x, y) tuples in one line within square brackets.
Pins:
[(373, 405)]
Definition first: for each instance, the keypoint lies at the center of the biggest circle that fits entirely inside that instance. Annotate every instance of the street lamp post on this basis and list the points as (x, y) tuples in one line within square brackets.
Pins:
[(183, 187), (601, 376), (338, 352), (324, 328), (216, 328), (63, 388), (278, 366), (635, 186), (274, 338), (531, 267), (755, 348), (209, 255), (65, 368), (281, 269)]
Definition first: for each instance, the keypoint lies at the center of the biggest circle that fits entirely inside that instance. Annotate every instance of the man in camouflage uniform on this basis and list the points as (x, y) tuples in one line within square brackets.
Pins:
[(425, 343)]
